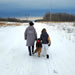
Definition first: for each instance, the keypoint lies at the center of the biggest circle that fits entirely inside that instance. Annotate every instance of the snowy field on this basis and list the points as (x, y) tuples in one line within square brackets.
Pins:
[(14, 58)]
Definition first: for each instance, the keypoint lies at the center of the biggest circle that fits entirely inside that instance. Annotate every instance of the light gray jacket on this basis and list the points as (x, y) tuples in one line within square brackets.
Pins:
[(30, 35)]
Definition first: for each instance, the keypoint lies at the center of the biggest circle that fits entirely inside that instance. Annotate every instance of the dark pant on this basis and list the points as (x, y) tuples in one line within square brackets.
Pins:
[(30, 48)]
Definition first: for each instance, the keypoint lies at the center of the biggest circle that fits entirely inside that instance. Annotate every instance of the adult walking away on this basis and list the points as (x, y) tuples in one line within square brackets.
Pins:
[(30, 37)]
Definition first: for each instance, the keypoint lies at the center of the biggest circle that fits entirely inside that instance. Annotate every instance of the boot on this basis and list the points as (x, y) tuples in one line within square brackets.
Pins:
[(29, 51), (47, 56), (32, 49), (29, 54)]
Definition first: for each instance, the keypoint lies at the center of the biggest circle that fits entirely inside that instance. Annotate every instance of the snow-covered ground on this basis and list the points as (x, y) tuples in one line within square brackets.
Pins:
[(14, 58)]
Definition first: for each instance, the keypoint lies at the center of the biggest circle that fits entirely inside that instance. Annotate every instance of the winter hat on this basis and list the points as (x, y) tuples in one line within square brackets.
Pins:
[(31, 23), (43, 30)]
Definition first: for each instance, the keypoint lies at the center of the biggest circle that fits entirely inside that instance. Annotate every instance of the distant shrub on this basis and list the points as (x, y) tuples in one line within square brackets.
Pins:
[(13, 20), (59, 17)]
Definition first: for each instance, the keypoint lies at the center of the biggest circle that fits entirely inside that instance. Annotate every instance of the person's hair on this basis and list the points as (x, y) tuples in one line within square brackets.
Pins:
[(31, 23), (43, 30)]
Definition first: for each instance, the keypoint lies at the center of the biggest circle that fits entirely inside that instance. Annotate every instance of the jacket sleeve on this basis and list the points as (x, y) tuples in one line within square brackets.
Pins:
[(25, 34), (41, 37), (49, 40)]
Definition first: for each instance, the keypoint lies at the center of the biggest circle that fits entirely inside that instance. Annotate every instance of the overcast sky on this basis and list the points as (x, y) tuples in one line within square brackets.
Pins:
[(36, 4)]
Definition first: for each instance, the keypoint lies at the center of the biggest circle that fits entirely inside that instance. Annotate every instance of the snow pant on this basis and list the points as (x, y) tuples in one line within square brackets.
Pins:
[(45, 50), (31, 48)]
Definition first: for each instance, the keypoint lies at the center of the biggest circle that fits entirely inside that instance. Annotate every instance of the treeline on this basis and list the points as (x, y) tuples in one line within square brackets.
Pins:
[(13, 20), (47, 17), (59, 17)]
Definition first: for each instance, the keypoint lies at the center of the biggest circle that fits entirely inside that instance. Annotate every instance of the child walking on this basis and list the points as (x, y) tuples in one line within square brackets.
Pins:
[(44, 37)]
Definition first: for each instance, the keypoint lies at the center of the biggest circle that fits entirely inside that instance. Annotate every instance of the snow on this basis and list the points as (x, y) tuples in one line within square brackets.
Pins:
[(14, 58)]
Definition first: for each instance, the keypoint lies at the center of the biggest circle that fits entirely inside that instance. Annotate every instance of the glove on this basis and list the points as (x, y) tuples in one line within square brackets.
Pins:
[(49, 44), (36, 39), (25, 38)]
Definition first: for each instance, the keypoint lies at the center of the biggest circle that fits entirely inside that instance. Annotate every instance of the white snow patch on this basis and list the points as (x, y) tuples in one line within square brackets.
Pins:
[(14, 58)]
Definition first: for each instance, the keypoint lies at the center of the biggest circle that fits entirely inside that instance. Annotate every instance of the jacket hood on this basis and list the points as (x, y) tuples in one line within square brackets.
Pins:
[(30, 27)]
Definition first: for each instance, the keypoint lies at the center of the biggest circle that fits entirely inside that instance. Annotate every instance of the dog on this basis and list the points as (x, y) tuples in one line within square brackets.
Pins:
[(38, 47)]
